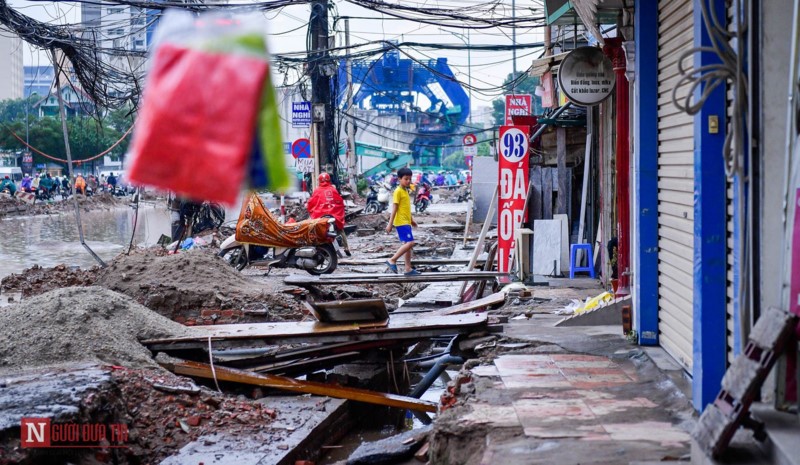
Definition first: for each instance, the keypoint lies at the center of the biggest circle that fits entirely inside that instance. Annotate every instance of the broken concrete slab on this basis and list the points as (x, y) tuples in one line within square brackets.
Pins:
[(390, 450), (299, 420), (56, 392), (611, 314)]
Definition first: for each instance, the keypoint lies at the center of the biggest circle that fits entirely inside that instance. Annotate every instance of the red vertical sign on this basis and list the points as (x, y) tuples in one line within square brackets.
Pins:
[(517, 105), (513, 188)]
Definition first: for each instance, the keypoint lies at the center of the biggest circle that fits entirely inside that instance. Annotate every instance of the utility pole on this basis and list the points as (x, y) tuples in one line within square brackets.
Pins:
[(351, 133), (514, 40), (466, 41), (321, 69), (62, 113)]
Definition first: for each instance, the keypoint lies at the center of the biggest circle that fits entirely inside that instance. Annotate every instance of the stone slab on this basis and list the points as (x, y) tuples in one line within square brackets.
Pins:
[(564, 241), (611, 314), (546, 247)]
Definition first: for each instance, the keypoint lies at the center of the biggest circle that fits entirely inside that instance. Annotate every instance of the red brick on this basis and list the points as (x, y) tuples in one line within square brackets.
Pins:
[(193, 420), (227, 313), (191, 322), (180, 319)]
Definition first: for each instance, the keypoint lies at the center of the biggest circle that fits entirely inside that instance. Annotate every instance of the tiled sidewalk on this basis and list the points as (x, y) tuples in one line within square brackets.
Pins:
[(571, 408)]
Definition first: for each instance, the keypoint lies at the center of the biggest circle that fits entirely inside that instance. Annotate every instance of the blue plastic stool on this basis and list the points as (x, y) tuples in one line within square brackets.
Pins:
[(573, 251)]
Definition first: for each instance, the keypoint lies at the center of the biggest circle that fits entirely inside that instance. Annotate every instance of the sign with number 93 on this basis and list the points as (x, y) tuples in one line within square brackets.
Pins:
[(513, 144)]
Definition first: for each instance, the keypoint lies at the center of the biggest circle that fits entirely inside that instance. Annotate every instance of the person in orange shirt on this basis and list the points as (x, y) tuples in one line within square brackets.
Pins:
[(80, 185)]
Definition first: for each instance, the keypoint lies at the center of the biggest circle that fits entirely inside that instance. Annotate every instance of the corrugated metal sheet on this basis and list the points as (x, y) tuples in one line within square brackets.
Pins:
[(675, 186)]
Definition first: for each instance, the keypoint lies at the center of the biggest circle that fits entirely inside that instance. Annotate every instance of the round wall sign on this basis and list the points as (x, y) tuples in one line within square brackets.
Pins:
[(513, 145), (586, 76)]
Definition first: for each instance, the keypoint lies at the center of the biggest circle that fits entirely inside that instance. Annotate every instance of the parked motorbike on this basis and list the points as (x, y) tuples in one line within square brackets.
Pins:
[(423, 198), (378, 199), (261, 240), (464, 194)]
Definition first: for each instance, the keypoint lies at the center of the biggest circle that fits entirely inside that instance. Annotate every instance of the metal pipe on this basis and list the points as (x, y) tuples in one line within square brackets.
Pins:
[(555, 115), (432, 374), (614, 51)]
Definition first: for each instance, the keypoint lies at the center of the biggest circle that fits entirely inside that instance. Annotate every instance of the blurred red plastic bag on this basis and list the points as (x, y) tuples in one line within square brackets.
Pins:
[(195, 129)]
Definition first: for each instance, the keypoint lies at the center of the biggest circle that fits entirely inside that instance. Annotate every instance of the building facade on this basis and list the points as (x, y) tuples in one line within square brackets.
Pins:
[(11, 72), (38, 80)]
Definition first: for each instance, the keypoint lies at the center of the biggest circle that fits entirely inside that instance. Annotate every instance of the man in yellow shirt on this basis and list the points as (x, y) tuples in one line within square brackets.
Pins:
[(402, 221)]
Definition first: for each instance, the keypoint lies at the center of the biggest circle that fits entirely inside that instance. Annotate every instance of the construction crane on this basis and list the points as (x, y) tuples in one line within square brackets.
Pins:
[(393, 86)]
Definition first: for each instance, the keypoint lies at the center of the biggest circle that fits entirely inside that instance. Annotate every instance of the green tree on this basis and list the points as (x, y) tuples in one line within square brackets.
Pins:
[(88, 137), (455, 161), (525, 85)]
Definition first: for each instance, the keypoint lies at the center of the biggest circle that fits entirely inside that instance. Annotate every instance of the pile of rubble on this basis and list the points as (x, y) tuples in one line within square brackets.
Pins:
[(37, 280)]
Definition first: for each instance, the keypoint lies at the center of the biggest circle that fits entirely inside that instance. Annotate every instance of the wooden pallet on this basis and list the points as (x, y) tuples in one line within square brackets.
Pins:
[(742, 382)]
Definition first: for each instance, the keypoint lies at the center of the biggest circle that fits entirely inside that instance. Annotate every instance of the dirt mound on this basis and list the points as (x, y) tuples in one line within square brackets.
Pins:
[(102, 201), (178, 286), (77, 324), (37, 280)]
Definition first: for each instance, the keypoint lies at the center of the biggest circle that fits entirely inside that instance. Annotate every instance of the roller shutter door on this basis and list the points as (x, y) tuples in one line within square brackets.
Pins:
[(675, 186)]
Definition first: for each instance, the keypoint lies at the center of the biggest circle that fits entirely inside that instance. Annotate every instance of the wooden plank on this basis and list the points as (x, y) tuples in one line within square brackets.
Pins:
[(312, 330), (493, 205), (349, 310), (202, 370), (377, 278), (417, 261), (547, 193), (468, 222), (493, 299), (561, 154), (535, 211)]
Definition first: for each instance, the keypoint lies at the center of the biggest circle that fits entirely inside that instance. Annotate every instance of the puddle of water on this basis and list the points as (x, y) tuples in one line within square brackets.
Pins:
[(359, 436), (49, 240)]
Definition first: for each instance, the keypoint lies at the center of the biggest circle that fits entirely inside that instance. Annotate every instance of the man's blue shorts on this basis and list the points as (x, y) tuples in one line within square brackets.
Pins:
[(404, 233)]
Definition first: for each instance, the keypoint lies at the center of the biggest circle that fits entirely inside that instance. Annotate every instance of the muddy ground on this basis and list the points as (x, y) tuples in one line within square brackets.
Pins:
[(103, 201)]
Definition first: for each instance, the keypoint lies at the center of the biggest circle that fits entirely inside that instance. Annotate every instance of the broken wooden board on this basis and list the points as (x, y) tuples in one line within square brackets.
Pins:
[(445, 226), (349, 310), (266, 334), (493, 299), (415, 261), (378, 278), (202, 370)]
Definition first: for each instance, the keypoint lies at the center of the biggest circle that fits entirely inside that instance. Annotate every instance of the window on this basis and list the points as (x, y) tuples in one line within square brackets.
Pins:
[(138, 44), (117, 31), (137, 21), (114, 11)]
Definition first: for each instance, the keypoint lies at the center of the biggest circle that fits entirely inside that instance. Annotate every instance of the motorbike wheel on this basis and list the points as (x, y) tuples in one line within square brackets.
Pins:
[(371, 209), (236, 257), (327, 254), (423, 205)]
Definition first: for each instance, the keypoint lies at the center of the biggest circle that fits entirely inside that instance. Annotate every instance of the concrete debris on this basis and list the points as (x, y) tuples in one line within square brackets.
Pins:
[(393, 449)]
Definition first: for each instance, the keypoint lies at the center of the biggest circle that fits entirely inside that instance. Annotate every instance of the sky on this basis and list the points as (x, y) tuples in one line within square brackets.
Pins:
[(488, 69)]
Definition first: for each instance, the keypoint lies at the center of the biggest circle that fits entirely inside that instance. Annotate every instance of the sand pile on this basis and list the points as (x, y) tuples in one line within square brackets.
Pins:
[(80, 324), (180, 285)]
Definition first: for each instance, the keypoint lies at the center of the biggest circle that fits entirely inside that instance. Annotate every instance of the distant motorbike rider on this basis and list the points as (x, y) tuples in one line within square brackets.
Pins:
[(65, 183), (326, 201), (27, 183), (46, 183), (112, 182), (8, 184)]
